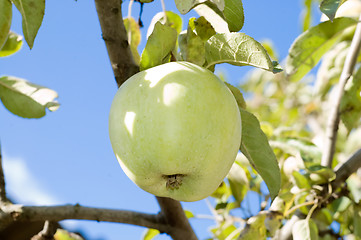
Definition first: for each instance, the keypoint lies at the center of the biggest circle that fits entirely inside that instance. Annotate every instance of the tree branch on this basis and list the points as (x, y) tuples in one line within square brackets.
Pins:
[(342, 173), (334, 118), (347, 168), (13, 212), (173, 214), (115, 38)]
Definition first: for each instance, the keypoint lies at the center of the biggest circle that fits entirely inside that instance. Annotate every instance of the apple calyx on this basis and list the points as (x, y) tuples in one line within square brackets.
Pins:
[(173, 181)]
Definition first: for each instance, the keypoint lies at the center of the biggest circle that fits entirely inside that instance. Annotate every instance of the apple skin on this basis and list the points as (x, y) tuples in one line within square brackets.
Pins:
[(175, 130)]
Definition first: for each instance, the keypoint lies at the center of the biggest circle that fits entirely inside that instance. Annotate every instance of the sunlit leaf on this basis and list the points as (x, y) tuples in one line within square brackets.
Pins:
[(222, 193), (202, 28), (350, 106), (265, 162), (62, 234), (214, 16), (134, 37), (172, 20), (309, 152), (191, 45), (308, 48), (237, 49), (185, 6), (150, 234), (234, 15), (5, 20), (188, 214), (301, 180), (159, 46), (321, 174), (305, 229), (255, 228), (225, 231), (329, 7), (341, 204), (13, 43), (354, 186), (238, 182), (32, 12), (26, 99)]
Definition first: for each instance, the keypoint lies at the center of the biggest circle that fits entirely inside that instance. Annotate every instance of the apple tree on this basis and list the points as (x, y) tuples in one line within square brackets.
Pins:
[(296, 148)]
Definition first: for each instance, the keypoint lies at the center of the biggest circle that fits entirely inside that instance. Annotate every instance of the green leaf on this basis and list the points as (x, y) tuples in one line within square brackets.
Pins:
[(159, 46), (13, 43), (188, 214), (321, 174), (309, 152), (191, 45), (237, 95), (256, 148), (172, 20), (62, 234), (234, 15), (202, 28), (150, 234), (32, 12), (5, 20), (357, 221), (255, 228), (26, 99), (308, 48), (341, 204), (353, 185), (350, 107), (305, 229), (223, 231), (134, 37), (329, 7), (185, 6), (301, 180), (222, 193), (191, 42), (237, 49), (214, 16), (238, 182)]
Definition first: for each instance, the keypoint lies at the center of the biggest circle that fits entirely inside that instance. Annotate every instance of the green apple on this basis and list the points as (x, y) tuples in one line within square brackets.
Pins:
[(175, 130)]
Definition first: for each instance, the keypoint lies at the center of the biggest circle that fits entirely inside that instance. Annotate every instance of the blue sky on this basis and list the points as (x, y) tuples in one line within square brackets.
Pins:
[(66, 156)]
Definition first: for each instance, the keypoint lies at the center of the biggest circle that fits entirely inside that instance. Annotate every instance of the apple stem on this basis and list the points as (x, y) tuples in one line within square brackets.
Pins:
[(173, 181)]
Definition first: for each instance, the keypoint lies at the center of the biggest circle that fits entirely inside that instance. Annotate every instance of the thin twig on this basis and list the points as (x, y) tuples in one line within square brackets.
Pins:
[(299, 206), (3, 197), (347, 168), (48, 231), (116, 40), (164, 12), (130, 6), (334, 118)]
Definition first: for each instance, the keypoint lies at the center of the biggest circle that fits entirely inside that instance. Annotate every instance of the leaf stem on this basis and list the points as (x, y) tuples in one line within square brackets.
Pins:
[(299, 206), (334, 117), (129, 23)]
